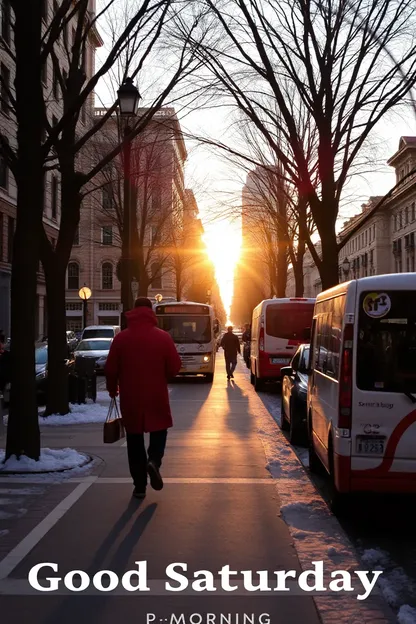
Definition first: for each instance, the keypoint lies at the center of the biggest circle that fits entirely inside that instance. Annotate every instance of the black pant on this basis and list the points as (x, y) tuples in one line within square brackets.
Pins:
[(138, 458), (230, 365)]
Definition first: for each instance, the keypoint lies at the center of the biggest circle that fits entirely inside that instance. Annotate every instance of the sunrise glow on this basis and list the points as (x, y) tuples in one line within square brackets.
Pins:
[(223, 240)]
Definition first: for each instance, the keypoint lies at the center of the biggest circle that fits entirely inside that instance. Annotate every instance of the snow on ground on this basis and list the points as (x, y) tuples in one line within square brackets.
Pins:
[(316, 532), (4, 532), (406, 615), (50, 460), (80, 415)]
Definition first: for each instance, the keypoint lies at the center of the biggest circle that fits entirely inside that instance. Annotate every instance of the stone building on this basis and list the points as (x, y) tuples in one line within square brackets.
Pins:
[(8, 191)]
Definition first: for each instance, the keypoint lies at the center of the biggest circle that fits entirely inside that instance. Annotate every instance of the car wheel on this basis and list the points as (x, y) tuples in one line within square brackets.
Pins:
[(296, 427), (258, 384), (284, 425)]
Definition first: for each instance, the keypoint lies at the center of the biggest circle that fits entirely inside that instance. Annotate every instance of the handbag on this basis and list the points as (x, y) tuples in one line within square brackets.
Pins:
[(113, 426)]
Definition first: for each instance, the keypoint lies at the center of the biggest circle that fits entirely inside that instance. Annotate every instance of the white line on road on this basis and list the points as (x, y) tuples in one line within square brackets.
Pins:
[(15, 556), (189, 480)]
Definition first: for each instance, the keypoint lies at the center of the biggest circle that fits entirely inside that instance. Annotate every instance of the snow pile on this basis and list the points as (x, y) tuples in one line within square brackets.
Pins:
[(4, 532), (406, 615), (50, 460), (394, 583), (80, 415), (316, 532)]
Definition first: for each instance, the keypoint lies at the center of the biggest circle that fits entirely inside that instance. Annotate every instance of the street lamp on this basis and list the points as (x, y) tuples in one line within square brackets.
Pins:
[(84, 293), (346, 267), (128, 100), (159, 298)]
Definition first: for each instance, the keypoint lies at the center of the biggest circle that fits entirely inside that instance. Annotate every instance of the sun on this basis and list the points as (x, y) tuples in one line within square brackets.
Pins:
[(223, 241)]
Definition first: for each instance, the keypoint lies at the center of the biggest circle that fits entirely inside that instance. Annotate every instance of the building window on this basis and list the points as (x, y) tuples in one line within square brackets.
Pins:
[(76, 236), (374, 232), (54, 196), (5, 21), (400, 220), (395, 223), (413, 211), (5, 89), (156, 277), (107, 276), (73, 276), (4, 173), (108, 197), (406, 215), (10, 237), (107, 235)]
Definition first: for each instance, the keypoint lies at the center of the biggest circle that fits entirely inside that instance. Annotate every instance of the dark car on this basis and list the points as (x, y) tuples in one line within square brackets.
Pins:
[(294, 393)]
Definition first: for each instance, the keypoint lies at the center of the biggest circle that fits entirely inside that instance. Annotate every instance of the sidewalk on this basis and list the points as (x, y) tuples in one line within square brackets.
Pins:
[(220, 506)]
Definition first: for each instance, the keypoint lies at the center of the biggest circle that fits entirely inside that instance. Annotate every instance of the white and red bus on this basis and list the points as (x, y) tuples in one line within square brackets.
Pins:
[(278, 327), (362, 386)]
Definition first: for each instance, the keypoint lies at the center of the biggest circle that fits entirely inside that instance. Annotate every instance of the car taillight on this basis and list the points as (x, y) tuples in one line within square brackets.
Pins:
[(261, 339), (345, 385)]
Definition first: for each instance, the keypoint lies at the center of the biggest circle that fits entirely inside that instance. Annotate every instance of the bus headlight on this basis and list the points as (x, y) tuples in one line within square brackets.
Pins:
[(207, 357)]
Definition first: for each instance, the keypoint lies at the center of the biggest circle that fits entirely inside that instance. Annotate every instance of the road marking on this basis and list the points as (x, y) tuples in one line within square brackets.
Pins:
[(188, 480), (15, 556)]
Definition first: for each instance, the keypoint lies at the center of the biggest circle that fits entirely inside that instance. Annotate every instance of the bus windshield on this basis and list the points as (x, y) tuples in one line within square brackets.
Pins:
[(187, 329), (290, 321)]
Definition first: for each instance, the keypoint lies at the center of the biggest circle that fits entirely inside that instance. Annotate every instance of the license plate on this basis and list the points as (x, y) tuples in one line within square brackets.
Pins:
[(279, 361), (367, 445)]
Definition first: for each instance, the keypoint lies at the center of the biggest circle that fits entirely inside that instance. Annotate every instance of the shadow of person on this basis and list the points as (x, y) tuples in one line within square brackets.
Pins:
[(89, 607)]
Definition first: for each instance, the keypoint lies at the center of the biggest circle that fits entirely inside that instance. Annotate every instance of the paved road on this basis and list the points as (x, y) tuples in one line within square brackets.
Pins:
[(219, 507)]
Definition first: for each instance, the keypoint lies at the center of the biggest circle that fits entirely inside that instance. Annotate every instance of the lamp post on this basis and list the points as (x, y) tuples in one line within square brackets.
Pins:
[(346, 267), (84, 293), (128, 99), (209, 293)]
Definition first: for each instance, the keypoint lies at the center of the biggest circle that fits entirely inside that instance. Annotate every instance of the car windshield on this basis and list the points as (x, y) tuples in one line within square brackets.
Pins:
[(187, 329), (94, 345), (41, 355), (304, 360), (386, 347), (289, 321), (98, 333)]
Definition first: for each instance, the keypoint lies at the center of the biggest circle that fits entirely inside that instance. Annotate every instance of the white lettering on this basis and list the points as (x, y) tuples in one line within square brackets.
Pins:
[(150, 617), (206, 583), (264, 618), (69, 580), (97, 580), (177, 620), (195, 618), (248, 580), (34, 581), (367, 584), (281, 579), (225, 574), (141, 575), (175, 576), (344, 583), (319, 580)]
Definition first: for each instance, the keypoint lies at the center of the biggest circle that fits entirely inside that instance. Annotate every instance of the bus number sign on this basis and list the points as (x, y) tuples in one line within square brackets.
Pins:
[(182, 310)]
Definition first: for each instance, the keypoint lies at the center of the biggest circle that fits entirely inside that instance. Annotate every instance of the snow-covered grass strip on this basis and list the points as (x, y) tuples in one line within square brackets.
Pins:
[(406, 615), (316, 532), (51, 460), (80, 415)]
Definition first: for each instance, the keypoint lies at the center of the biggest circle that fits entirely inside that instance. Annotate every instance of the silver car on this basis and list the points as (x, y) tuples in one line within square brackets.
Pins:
[(96, 348)]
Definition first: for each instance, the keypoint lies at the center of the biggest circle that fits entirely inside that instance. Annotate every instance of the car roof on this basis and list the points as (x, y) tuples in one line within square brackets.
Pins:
[(97, 339)]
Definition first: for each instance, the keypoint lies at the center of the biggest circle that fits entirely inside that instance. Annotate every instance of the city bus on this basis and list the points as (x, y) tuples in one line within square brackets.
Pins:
[(278, 327), (194, 330)]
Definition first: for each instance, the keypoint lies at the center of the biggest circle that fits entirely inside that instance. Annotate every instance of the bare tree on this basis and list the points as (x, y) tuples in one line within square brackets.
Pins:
[(331, 61)]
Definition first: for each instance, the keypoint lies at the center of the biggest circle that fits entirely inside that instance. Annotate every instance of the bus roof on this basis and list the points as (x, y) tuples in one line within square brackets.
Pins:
[(388, 281), (187, 303), (285, 301)]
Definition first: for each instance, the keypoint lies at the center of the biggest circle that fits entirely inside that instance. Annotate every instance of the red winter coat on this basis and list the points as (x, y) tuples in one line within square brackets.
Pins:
[(141, 361)]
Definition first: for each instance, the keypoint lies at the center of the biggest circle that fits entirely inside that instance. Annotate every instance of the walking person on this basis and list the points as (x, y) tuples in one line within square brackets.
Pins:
[(231, 345), (141, 361)]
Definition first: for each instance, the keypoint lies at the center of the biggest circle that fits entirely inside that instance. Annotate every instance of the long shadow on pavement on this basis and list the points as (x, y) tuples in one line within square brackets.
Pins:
[(88, 608), (238, 423)]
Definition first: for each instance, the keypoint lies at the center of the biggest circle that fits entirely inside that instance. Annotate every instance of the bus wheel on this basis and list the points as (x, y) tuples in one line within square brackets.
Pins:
[(337, 500), (209, 377)]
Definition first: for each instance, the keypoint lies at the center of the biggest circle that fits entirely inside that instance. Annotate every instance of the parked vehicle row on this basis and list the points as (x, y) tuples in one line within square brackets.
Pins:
[(350, 395)]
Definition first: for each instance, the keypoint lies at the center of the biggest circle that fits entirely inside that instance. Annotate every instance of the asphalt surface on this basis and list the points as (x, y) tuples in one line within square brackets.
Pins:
[(218, 507)]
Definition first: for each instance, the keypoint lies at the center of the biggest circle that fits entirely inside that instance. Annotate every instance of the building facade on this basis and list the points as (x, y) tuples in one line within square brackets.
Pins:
[(168, 225), (386, 241), (54, 110)]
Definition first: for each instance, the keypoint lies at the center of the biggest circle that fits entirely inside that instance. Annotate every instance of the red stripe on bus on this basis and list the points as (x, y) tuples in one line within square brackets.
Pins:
[(391, 448)]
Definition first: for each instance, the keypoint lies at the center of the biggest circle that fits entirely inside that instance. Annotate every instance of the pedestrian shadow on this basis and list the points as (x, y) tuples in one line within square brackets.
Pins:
[(89, 607), (236, 417)]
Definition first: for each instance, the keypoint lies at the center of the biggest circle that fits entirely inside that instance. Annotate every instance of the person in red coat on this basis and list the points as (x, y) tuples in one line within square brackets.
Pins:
[(141, 361)]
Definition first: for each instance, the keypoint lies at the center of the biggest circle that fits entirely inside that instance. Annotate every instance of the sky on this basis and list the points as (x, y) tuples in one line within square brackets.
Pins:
[(217, 185)]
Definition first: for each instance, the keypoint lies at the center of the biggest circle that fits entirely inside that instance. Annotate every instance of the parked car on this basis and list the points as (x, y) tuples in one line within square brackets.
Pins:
[(96, 348), (100, 331), (294, 395)]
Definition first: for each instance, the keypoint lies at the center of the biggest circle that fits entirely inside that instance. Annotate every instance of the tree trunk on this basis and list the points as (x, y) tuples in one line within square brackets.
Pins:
[(57, 395), (23, 435), (328, 269), (298, 270), (282, 266)]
